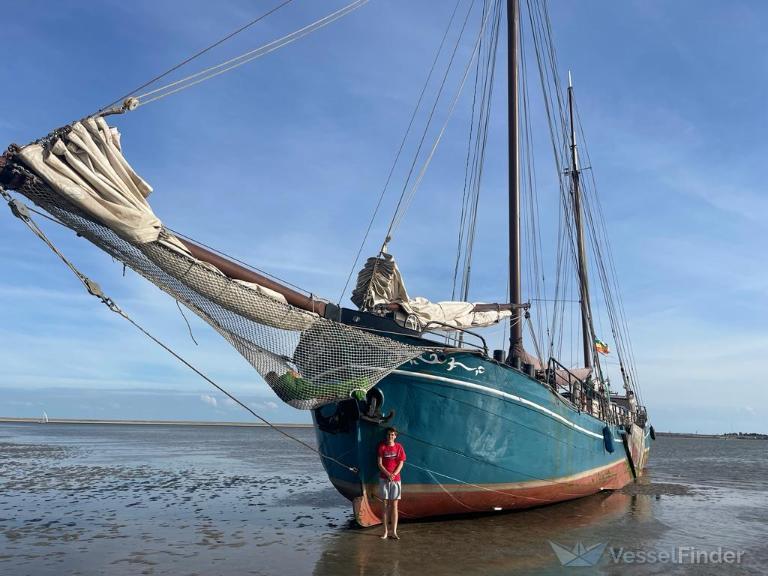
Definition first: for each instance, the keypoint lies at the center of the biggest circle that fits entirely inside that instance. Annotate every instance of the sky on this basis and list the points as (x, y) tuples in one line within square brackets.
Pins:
[(280, 164)]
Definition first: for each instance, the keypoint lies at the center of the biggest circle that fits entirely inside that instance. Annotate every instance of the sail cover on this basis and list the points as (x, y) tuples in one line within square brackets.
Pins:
[(80, 176), (380, 283)]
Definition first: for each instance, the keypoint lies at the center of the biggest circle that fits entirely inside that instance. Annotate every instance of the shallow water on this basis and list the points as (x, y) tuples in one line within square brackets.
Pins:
[(92, 499)]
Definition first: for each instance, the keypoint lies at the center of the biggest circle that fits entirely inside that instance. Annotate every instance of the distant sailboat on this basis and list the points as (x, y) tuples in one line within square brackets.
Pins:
[(44, 419)]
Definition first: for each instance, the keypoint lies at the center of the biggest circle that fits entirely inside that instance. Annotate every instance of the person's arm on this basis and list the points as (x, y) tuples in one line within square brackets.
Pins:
[(400, 462), (384, 470)]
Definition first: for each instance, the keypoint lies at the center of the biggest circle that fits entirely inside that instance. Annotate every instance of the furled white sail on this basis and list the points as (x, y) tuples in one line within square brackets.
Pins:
[(380, 283), (451, 315), (86, 166)]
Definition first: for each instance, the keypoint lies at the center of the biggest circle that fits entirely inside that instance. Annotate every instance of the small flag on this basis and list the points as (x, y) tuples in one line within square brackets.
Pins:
[(601, 346)]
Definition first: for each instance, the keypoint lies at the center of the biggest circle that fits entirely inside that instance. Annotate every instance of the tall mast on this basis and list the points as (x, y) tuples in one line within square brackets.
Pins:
[(586, 319), (515, 292)]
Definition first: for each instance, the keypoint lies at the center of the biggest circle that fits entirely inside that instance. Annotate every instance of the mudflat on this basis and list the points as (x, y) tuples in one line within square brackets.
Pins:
[(122, 499)]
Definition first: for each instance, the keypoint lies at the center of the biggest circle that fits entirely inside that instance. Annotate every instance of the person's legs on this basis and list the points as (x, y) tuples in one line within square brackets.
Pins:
[(393, 519), (386, 513)]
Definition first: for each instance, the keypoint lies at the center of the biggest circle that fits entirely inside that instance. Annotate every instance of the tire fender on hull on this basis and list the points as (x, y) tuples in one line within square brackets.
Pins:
[(608, 439)]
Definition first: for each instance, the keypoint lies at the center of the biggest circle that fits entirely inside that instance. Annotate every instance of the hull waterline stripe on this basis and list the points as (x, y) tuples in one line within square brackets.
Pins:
[(500, 394), (463, 486)]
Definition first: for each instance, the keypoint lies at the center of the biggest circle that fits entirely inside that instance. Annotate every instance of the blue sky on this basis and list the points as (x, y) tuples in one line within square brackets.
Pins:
[(280, 163)]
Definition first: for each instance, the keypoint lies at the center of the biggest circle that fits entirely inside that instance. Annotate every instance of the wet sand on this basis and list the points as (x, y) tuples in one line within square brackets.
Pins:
[(93, 499)]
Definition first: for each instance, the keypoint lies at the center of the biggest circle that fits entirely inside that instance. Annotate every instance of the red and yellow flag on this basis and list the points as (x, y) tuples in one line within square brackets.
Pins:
[(601, 346)]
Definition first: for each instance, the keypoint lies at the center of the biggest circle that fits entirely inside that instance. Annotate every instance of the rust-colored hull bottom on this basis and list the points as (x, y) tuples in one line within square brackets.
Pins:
[(425, 500)]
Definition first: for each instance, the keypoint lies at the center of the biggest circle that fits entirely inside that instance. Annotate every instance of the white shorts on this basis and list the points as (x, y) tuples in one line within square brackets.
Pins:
[(389, 490)]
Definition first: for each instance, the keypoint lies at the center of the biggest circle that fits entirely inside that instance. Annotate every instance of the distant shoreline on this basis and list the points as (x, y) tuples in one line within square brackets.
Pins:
[(726, 436), (10, 420)]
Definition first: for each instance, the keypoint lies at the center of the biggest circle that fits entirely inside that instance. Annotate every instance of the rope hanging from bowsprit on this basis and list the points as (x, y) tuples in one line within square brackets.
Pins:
[(21, 211)]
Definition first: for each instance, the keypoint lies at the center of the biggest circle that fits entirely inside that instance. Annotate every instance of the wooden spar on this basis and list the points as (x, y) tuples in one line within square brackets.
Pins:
[(586, 317), (498, 307), (229, 268), (238, 272), (394, 306), (515, 291)]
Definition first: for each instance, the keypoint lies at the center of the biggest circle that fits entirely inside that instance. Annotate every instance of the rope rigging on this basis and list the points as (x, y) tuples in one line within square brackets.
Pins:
[(476, 153), (602, 263), (406, 196), (609, 277), (556, 326), (565, 265), (413, 179), (196, 55), (399, 151), (213, 71), (531, 210), (20, 210), (132, 100)]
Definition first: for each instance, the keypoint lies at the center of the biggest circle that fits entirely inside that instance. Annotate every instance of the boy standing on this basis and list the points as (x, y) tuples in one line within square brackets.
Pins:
[(391, 457)]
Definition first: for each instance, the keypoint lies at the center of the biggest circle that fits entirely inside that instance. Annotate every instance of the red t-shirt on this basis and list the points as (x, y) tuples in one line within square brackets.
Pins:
[(391, 456)]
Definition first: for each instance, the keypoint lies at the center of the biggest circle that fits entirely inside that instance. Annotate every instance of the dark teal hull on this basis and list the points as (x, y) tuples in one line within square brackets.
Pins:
[(479, 436)]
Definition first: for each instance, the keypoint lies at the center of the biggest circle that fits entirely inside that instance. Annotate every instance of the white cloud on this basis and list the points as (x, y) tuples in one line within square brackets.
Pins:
[(266, 404), (208, 399)]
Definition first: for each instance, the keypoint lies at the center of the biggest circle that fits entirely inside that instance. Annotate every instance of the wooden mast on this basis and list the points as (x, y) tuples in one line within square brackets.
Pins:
[(515, 292), (586, 317)]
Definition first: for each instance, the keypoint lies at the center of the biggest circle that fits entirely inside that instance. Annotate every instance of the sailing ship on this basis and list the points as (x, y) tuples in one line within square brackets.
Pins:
[(486, 430)]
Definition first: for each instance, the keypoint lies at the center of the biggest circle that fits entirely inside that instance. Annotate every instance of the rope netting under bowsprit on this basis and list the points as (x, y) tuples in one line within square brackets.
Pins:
[(306, 359)]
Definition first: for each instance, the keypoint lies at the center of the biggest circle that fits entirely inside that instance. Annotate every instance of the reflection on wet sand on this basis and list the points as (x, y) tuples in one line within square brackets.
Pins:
[(505, 543)]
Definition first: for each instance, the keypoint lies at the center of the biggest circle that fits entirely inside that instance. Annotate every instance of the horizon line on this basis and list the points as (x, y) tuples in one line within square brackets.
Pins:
[(23, 420)]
